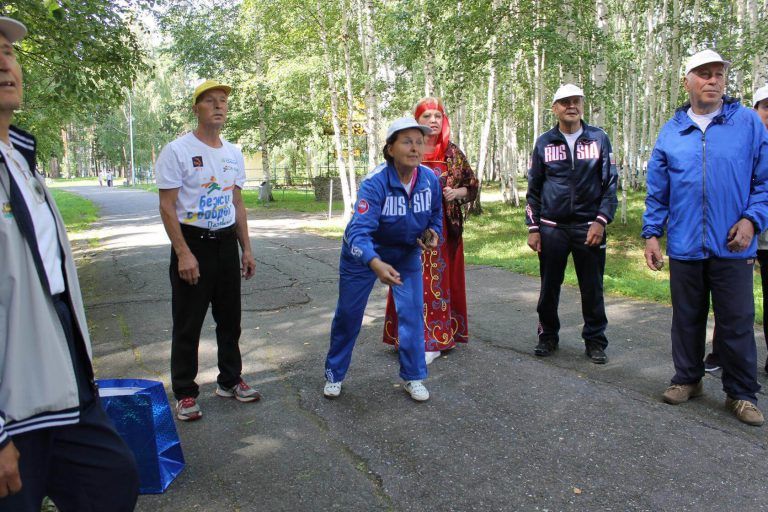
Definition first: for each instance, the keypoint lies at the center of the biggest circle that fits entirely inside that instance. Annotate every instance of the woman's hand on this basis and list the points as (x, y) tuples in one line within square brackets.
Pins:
[(452, 194), (428, 239), (385, 272)]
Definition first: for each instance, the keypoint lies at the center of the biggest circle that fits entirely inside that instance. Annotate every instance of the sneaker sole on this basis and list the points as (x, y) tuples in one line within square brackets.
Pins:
[(189, 418), (417, 399), (330, 396), (677, 402), (226, 394)]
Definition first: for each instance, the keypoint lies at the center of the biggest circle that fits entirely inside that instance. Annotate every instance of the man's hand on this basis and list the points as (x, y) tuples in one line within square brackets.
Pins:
[(10, 480), (653, 257), (385, 272), (189, 269), (595, 234), (249, 265), (740, 235), (428, 239), (534, 241)]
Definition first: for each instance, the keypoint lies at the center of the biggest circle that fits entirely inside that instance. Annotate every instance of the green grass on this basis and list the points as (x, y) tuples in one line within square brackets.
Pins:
[(499, 236), (78, 213), (284, 199), (151, 187), (289, 199)]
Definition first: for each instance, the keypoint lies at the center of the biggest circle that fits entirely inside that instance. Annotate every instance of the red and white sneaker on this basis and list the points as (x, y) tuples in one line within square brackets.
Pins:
[(242, 392), (188, 410)]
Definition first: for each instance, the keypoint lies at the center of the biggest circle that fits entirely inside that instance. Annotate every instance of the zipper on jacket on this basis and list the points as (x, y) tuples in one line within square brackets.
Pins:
[(704, 192)]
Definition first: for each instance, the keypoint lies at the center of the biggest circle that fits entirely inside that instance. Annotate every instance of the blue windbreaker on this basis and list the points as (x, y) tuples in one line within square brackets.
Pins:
[(387, 221), (701, 184)]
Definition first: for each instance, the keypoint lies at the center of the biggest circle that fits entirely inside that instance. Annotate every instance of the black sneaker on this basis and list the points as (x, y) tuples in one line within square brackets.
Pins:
[(545, 348), (711, 362), (596, 354)]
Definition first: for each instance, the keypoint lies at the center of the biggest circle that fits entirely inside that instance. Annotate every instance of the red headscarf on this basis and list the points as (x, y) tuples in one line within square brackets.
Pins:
[(436, 159)]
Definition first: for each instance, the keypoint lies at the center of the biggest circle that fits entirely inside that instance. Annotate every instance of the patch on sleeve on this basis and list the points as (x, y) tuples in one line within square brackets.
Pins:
[(362, 207), (613, 160)]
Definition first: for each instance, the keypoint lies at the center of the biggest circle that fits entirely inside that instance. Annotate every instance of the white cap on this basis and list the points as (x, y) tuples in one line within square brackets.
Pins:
[(704, 57), (403, 124), (12, 30), (566, 91), (760, 95)]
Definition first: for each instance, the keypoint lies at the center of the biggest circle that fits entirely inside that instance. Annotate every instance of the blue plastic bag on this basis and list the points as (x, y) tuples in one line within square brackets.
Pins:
[(141, 414)]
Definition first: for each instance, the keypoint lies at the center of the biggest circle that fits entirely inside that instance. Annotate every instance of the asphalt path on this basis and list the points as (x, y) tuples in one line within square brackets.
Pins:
[(503, 430)]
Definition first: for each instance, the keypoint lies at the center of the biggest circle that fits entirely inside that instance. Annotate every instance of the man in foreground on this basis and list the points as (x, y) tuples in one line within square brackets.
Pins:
[(571, 198), (200, 176), (55, 439), (708, 185)]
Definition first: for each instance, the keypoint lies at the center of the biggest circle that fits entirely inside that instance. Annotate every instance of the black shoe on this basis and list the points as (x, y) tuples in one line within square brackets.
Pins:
[(596, 354), (711, 362), (545, 348)]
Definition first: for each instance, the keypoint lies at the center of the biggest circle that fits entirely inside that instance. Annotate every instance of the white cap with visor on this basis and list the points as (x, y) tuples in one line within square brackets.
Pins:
[(12, 30), (566, 91), (705, 57)]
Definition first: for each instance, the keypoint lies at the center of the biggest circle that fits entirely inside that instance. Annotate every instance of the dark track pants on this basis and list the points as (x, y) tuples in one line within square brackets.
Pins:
[(84, 467), (355, 284), (730, 284), (218, 286), (556, 244)]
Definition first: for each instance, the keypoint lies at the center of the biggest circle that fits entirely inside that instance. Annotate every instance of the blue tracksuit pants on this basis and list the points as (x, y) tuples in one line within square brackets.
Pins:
[(355, 284)]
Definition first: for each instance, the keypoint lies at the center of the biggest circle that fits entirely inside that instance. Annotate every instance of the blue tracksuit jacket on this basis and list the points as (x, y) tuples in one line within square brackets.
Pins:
[(386, 222), (701, 184)]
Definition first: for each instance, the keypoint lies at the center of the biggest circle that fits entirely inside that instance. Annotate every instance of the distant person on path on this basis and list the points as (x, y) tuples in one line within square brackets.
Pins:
[(445, 297), (712, 361), (101, 178), (109, 178), (55, 439), (571, 199), (708, 186), (199, 177), (398, 214)]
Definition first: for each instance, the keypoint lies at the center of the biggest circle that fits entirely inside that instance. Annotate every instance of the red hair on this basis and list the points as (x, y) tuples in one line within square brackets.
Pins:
[(437, 157)]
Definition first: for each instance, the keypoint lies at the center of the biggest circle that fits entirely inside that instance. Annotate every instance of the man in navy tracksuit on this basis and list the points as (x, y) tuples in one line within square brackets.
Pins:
[(389, 220), (571, 198), (708, 184)]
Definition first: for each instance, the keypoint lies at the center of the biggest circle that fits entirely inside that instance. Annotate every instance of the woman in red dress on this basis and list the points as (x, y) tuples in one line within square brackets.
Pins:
[(445, 300)]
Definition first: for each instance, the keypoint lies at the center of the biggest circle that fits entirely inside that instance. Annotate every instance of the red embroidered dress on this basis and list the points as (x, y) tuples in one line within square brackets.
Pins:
[(445, 300)]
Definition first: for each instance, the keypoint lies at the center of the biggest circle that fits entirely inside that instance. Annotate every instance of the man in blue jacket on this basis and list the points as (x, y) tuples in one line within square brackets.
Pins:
[(708, 184), (571, 198)]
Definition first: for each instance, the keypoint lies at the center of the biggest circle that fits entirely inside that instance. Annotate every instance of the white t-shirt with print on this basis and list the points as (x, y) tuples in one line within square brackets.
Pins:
[(206, 178), (42, 217)]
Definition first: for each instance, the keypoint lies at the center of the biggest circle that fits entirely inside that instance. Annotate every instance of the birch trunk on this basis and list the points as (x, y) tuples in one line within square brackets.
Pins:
[(475, 207), (328, 64), (601, 68), (350, 103), (368, 46)]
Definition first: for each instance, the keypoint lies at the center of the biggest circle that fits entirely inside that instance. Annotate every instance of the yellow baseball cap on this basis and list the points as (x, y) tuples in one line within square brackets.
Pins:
[(207, 86)]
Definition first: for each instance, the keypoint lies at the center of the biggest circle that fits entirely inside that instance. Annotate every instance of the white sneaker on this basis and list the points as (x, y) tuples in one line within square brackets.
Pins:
[(431, 356), (332, 389), (416, 389)]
